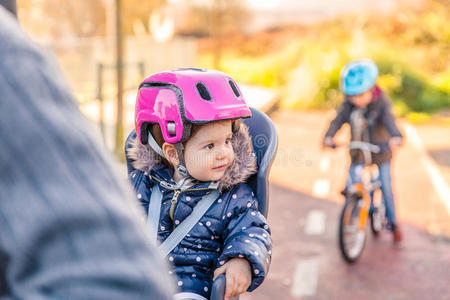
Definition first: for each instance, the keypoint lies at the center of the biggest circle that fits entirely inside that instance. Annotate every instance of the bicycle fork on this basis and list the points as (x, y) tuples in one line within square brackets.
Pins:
[(363, 206), (364, 212)]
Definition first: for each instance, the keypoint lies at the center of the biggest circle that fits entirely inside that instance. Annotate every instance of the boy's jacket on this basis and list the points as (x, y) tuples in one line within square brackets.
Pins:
[(379, 126), (232, 226)]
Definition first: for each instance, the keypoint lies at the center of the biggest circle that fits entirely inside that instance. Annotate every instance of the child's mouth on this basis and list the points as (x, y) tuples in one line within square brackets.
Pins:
[(220, 168)]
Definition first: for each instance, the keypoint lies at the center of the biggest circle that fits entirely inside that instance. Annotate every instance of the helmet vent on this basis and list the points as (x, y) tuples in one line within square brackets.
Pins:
[(234, 88), (203, 91)]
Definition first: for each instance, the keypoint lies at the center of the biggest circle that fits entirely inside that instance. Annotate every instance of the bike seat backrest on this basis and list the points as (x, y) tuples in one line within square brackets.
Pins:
[(265, 144), (130, 138)]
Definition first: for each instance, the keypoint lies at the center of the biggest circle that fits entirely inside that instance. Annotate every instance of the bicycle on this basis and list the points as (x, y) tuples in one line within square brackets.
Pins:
[(362, 200)]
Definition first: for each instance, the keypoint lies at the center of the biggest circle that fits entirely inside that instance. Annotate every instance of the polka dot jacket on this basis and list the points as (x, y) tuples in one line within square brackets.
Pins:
[(232, 226)]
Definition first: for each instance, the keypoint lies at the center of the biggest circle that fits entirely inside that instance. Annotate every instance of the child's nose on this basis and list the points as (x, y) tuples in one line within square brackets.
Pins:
[(220, 154)]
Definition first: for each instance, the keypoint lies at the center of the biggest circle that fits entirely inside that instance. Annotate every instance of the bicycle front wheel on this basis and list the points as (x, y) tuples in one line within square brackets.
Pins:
[(377, 217), (352, 238)]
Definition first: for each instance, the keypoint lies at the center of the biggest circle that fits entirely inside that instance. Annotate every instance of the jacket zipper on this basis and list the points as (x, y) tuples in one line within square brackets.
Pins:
[(176, 194), (174, 200)]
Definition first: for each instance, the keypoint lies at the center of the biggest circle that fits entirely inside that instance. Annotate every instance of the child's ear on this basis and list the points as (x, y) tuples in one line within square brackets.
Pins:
[(170, 151)]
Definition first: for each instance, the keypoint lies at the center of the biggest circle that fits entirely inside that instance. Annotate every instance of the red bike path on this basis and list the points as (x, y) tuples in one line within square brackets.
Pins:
[(417, 269)]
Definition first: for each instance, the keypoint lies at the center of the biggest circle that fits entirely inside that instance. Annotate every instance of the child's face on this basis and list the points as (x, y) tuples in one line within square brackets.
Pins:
[(361, 100), (209, 153)]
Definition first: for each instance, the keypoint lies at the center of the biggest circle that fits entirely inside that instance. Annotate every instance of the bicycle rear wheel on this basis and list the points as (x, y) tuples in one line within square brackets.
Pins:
[(352, 239)]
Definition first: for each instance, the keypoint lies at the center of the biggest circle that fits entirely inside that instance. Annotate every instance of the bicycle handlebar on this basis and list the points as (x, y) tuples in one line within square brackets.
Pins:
[(364, 146), (357, 145)]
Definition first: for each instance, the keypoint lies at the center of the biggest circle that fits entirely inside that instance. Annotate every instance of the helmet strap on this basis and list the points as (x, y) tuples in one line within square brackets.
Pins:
[(181, 168), (154, 145)]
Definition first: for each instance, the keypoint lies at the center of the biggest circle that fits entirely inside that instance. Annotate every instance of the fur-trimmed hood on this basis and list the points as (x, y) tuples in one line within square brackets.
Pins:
[(144, 158)]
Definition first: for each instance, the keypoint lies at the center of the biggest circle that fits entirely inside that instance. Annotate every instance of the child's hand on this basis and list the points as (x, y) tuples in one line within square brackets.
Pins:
[(238, 276), (395, 141), (328, 143)]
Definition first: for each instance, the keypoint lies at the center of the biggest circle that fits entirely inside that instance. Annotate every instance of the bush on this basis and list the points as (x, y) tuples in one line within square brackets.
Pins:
[(412, 89), (410, 49)]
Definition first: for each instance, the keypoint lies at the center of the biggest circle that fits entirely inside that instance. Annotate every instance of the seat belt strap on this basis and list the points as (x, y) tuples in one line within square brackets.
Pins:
[(183, 229), (154, 211)]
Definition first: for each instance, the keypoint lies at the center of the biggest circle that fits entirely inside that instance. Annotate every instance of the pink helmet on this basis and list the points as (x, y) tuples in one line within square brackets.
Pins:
[(178, 98)]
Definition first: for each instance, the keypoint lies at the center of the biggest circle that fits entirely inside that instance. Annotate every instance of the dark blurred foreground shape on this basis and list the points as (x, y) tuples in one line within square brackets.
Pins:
[(10, 6), (69, 229)]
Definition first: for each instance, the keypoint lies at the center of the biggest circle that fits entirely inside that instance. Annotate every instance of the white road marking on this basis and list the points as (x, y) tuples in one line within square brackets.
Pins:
[(315, 222), (305, 278), (321, 187), (437, 180)]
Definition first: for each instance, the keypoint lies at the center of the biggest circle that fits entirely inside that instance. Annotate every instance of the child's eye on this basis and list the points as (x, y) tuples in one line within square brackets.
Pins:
[(209, 146), (228, 141)]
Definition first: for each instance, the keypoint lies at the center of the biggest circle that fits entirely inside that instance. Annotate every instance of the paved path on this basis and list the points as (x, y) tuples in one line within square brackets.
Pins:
[(307, 265), (304, 209)]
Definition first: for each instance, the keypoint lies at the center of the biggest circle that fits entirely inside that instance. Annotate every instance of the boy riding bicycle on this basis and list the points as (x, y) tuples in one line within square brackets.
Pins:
[(364, 98)]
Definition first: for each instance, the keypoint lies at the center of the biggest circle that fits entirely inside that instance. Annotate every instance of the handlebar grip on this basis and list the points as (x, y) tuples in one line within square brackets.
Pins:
[(218, 288)]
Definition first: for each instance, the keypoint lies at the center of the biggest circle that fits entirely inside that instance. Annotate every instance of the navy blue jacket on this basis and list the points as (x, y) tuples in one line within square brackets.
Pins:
[(232, 227)]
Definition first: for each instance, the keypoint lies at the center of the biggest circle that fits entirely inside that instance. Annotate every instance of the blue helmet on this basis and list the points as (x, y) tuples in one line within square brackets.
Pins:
[(358, 76)]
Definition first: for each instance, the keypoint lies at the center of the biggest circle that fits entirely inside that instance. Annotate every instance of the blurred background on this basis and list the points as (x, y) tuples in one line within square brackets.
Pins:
[(286, 55), (294, 47)]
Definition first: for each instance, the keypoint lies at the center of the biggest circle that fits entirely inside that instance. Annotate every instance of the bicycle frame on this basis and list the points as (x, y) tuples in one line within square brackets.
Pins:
[(356, 210), (367, 185)]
